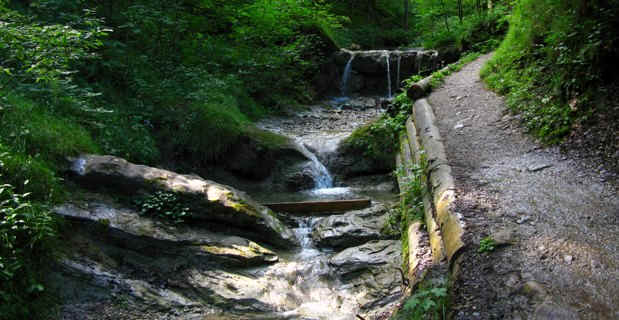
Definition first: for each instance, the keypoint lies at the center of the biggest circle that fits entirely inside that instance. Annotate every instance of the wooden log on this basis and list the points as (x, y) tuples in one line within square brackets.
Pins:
[(421, 88), (319, 206)]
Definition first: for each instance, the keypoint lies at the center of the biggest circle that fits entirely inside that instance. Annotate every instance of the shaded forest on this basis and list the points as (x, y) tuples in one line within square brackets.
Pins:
[(177, 83)]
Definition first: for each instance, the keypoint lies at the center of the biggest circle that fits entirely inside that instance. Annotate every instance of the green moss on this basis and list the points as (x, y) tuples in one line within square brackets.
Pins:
[(29, 129), (30, 175), (266, 138)]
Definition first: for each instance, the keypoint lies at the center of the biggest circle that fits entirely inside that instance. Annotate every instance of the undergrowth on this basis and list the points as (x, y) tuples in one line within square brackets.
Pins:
[(554, 62), (429, 302), (27, 240)]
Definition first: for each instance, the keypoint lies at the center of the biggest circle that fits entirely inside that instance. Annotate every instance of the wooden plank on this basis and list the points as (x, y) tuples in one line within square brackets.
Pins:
[(319, 206)]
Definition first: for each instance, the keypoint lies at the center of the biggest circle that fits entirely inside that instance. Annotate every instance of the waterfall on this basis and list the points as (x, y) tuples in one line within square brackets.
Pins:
[(388, 75), (346, 76), (322, 177), (398, 84)]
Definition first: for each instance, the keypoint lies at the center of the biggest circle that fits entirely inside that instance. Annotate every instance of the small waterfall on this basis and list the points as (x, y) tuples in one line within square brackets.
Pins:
[(322, 177), (388, 75), (346, 76), (398, 84), (304, 232)]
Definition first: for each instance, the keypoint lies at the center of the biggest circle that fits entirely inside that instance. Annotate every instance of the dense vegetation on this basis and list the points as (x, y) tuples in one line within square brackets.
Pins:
[(179, 82), (557, 64)]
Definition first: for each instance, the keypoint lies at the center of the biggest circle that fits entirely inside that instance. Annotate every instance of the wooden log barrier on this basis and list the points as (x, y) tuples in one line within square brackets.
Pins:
[(319, 206)]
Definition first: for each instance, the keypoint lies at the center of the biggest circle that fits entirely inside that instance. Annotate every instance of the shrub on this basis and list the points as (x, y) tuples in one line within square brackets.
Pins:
[(554, 60), (27, 232)]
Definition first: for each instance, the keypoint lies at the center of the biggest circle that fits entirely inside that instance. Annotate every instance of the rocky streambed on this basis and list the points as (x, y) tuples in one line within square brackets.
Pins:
[(231, 257)]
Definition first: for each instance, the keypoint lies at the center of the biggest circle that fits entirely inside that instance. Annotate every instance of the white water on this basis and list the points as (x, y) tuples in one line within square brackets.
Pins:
[(322, 177), (388, 75), (398, 84), (346, 76)]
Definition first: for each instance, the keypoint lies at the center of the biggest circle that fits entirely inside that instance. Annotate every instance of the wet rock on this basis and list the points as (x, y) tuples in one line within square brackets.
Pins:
[(348, 162), (299, 177), (128, 229), (254, 159), (350, 229), (206, 199), (370, 255)]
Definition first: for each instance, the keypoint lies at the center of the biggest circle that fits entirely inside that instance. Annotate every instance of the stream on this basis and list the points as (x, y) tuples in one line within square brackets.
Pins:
[(308, 283), (343, 269)]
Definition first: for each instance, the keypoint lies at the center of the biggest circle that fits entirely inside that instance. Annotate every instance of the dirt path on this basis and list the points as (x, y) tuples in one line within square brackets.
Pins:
[(560, 219)]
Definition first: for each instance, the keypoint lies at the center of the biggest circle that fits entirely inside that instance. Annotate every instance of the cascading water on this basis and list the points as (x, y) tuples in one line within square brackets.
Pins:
[(322, 177), (388, 75), (398, 84), (346, 76)]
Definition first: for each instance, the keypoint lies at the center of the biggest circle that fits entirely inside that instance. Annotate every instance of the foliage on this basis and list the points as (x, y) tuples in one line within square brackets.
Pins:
[(392, 227), (164, 205), (43, 183), (412, 208), (554, 60), (486, 244), (27, 232), (426, 303), (473, 28), (42, 58)]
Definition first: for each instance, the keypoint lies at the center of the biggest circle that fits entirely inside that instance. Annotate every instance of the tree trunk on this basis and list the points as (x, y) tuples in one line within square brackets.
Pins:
[(460, 13), (445, 15), (406, 11), (489, 4)]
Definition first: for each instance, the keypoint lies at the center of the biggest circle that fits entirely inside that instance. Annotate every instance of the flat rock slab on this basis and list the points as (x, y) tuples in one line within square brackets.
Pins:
[(131, 230), (370, 255), (350, 229), (207, 200)]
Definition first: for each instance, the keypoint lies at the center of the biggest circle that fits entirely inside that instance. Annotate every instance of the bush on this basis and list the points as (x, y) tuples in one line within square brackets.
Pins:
[(32, 130), (16, 168), (554, 60), (27, 232)]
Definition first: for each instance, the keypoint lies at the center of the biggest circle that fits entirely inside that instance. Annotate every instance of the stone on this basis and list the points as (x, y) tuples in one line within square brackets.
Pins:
[(534, 290), (523, 219), (568, 259), (207, 200), (299, 177), (372, 254), (538, 167), (128, 229), (552, 311), (504, 237), (254, 159), (350, 229)]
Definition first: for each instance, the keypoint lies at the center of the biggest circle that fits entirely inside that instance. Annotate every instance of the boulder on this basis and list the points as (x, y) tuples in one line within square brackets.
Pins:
[(207, 200), (370, 255), (350, 229), (299, 177), (128, 229), (348, 162), (257, 157)]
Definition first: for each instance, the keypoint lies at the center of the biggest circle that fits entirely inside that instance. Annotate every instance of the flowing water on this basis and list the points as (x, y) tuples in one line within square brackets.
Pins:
[(398, 82), (303, 285), (322, 177), (346, 76), (388, 75)]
